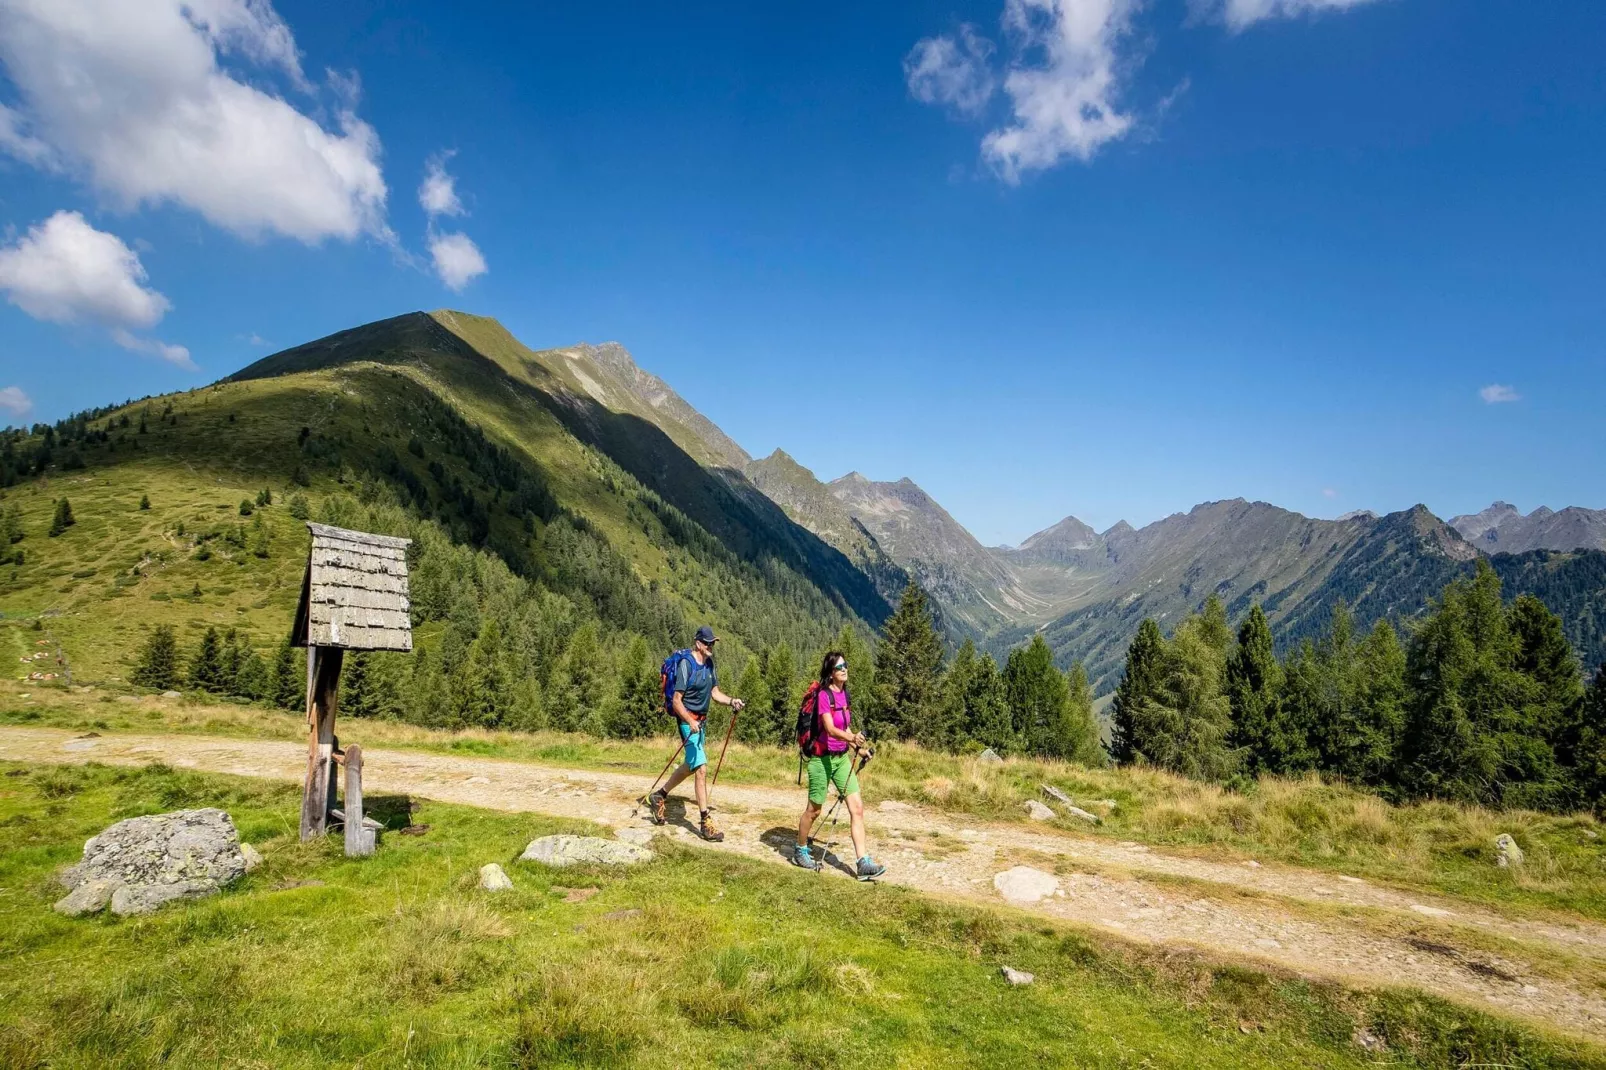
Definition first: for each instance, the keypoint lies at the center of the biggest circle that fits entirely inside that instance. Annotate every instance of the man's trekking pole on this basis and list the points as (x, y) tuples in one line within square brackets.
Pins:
[(717, 765), (678, 747)]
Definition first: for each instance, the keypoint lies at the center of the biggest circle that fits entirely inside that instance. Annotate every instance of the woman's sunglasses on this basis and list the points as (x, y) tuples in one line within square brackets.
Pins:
[(839, 665)]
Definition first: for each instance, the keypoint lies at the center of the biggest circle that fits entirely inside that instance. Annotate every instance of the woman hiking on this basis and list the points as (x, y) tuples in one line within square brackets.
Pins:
[(834, 721)]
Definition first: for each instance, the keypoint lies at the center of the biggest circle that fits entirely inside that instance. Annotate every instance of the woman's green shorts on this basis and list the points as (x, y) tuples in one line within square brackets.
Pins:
[(832, 769)]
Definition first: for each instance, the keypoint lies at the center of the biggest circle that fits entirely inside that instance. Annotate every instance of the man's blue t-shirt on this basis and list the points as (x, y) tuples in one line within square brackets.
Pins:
[(696, 682)]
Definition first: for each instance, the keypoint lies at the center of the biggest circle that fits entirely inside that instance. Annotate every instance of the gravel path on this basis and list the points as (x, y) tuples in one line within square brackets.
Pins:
[(1241, 912)]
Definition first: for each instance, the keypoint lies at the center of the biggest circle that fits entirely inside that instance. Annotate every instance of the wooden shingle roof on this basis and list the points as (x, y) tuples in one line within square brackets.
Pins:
[(354, 594)]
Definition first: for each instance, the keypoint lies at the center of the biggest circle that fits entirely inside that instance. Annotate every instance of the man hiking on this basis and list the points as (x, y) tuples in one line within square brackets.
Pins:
[(831, 747), (693, 687)]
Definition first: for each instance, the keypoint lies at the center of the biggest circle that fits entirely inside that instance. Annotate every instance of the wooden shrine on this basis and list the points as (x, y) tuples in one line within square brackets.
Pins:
[(354, 597)]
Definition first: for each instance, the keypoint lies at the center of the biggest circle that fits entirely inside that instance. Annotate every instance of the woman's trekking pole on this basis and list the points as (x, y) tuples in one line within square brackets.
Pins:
[(864, 760)]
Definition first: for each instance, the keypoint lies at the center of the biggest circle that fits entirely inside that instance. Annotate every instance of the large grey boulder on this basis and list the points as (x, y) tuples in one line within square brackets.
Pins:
[(139, 864), (1507, 853), (561, 851)]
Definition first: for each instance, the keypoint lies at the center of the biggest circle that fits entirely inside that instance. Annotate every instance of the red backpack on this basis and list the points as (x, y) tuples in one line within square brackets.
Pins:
[(810, 740)]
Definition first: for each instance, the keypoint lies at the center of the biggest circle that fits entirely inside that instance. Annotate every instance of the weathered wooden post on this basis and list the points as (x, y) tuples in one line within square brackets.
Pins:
[(353, 597)]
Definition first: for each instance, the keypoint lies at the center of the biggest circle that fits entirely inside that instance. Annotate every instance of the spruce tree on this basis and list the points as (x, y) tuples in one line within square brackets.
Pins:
[(987, 707), (639, 706), (356, 699), (948, 728), (1040, 703), (63, 518), (908, 665), (757, 723), (1254, 684), (1182, 722), (158, 666), (1587, 753), (251, 679), (1138, 684), (781, 690), (144, 502), (10, 525), (299, 507), (1374, 735), (1078, 735), (287, 680), (206, 667)]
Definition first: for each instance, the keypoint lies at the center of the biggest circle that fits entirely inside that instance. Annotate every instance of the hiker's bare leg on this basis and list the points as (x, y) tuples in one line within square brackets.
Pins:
[(700, 785), (856, 824), (806, 822), (675, 778)]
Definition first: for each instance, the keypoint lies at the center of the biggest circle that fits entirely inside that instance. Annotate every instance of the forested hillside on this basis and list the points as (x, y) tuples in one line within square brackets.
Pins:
[(560, 547)]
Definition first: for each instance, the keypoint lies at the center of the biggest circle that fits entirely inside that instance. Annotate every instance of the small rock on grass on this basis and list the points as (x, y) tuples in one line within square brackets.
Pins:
[(1507, 853), (1037, 811), (1017, 977), (493, 879), (1056, 794), (253, 857), (988, 755), (1367, 1040), (1082, 815)]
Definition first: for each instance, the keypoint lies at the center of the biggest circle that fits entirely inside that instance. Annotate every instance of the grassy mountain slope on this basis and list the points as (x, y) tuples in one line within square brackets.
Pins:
[(485, 448)]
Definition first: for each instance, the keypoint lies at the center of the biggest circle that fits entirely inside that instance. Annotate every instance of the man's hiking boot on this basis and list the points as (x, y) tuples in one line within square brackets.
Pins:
[(869, 869), (805, 860), (658, 801), (710, 832)]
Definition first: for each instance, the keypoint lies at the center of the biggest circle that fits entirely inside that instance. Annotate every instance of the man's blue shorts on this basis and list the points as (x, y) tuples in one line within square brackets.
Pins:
[(695, 756)]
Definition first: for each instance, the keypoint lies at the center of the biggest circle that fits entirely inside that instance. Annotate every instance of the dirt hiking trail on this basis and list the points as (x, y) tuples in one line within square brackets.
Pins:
[(1311, 923)]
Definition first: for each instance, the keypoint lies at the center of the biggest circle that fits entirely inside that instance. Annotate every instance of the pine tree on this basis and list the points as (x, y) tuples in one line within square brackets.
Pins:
[(259, 538), (1254, 684), (1545, 656), (158, 662), (1182, 723), (63, 518), (1139, 683), (287, 681), (206, 667), (1588, 752), (10, 525), (145, 502), (908, 666), (1038, 697), (948, 728), (264, 496), (299, 507), (757, 723), (1476, 725), (246, 507), (987, 707), (251, 679), (638, 708), (480, 688), (1079, 726), (781, 688), (355, 697), (1373, 737)]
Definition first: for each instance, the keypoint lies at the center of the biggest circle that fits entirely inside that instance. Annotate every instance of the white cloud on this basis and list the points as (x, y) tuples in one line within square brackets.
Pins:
[(65, 271), (1496, 394), (1063, 85), (953, 71), (438, 193), (457, 259), (132, 96), (14, 401), (1241, 14), (1329, 492)]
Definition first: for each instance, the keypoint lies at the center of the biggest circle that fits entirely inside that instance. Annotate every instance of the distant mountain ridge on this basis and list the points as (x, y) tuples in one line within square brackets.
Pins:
[(1502, 528)]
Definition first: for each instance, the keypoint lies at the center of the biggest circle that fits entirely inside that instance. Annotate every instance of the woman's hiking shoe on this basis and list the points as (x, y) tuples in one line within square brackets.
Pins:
[(869, 869), (659, 802), (805, 860), (710, 832)]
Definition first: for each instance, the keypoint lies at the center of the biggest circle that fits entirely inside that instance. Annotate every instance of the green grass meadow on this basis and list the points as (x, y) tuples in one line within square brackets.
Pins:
[(693, 959)]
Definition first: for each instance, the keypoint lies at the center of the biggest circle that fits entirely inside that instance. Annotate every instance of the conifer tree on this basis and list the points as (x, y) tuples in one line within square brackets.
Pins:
[(1182, 722), (1373, 736), (145, 503), (206, 667), (757, 723), (639, 706), (908, 665), (1038, 697), (63, 518), (1079, 726), (287, 682), (987, 707), (949, 725), (251, 679), (158, 666), (230, 654), (1139, 683), (299, 507), (1588, 752), (1545, 656), (1254, 683), (355, 697), (10, 525), (781, 689)]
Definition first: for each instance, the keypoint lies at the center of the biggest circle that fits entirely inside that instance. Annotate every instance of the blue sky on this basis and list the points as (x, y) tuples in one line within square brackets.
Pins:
[(1042, 256)]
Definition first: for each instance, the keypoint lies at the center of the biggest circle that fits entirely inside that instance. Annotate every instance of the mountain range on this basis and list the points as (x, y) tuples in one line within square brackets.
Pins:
[(1084, 590), (584, 471)]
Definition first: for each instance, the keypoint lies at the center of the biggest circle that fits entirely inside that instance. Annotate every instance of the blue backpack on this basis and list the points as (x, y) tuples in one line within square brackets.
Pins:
[(666, 676)]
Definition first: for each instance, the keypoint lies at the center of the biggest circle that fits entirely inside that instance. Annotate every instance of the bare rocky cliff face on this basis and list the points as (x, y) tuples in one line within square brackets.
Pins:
[(1502, 528)]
